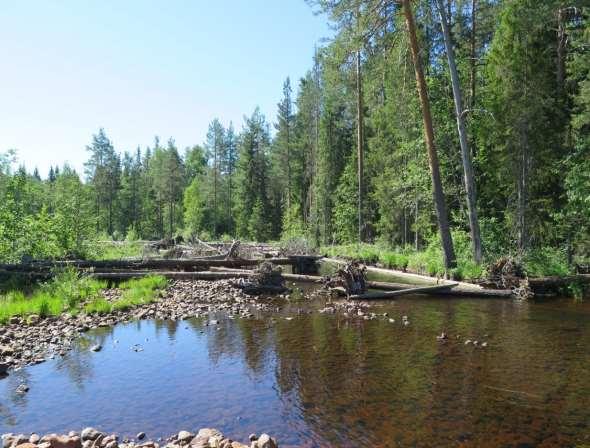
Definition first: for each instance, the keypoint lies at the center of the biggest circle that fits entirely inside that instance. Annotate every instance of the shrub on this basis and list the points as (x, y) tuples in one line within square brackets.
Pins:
[(546, 261)]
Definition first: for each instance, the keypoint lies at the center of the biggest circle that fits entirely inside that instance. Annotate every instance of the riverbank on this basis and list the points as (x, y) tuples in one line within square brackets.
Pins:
[(92, 438), (34, 339)]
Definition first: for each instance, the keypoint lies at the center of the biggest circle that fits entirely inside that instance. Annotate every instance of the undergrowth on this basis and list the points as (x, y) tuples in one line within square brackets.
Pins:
[(64, 292), (429, 261), (70, 291)]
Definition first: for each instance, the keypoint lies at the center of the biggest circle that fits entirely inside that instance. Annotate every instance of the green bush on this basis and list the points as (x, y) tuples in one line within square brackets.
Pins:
[(546, 261)]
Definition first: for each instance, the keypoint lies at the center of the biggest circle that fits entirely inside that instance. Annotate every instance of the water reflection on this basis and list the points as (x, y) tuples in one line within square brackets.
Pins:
[(319, 380)]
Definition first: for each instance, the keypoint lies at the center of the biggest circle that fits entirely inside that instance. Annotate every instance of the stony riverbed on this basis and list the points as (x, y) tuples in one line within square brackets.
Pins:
[(92, 438)]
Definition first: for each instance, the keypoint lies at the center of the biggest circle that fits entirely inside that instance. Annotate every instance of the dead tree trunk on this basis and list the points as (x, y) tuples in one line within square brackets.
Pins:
[(437, 189), (465, 153)]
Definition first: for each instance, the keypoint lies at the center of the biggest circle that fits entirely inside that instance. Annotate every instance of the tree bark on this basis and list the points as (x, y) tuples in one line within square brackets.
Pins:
[(437, 189), (468, 178), (561, 43), (472, 62), (359, 137)]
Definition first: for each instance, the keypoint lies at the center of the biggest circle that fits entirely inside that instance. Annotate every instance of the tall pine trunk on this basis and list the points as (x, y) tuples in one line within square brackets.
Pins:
[(215, 188), (465, 153), (472, 62), (359, 137), (437, 189)]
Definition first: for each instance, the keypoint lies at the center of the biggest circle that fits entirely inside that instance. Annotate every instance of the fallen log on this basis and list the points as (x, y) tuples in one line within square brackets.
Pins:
[(175, 275), (555, 281), (402, 292), (414, 278), (292, 277), (457, 290), (178, 263)]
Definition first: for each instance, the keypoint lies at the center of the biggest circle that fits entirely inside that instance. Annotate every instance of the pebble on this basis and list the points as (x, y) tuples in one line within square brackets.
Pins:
[(140, 436), (96, 348), (22, 389)]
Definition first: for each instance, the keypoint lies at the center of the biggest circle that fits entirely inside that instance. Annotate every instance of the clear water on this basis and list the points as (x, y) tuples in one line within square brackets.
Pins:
[(324, 380)]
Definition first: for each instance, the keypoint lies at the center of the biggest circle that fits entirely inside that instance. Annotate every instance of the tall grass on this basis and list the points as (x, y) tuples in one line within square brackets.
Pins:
[(139, 291), (72, 292), (64, 292), (134, 292)]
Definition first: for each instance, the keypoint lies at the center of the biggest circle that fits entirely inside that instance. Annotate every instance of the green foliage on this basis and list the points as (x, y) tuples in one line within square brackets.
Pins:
[(115, 250), (292, 223), (70, 291), (529, 133), (546, 261), (64, 292)]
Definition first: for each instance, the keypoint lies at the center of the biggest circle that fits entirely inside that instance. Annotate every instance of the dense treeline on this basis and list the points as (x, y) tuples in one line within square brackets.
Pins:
[(347, 158)]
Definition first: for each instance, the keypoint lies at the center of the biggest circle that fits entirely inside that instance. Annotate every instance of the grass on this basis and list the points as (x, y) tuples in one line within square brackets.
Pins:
[(134, 292), (64, 292), (72, 292), (139, 291), (116, 250)]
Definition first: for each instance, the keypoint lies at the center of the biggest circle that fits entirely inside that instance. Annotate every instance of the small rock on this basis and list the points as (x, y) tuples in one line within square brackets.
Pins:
[(6, 351), (22, 389), (252, 437), (26, 445), (96, 348), (442, 337), (3, 368), (484, 344), (56, 441), (90, 434), (34, 438), (467, 342), (265, 441), (185, 436), (140, 436)]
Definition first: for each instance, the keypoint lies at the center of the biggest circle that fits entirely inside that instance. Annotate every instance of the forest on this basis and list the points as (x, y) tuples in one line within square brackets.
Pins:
[(437, 135)]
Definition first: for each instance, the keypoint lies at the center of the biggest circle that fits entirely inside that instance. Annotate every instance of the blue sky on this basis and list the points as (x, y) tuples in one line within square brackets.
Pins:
[(141, 68)]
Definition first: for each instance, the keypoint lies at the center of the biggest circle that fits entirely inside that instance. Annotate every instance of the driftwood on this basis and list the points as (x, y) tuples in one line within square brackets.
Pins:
[(351, 277), (547, 282), (265, 279), (208, 246), (171, 264), (176, 275), (457, 291), (233, 250), (401, 292)]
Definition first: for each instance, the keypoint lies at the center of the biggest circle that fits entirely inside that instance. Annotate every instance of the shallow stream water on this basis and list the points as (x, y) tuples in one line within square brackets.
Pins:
[(327, 380)]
